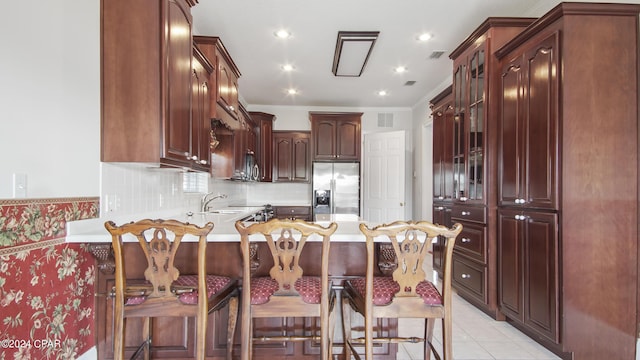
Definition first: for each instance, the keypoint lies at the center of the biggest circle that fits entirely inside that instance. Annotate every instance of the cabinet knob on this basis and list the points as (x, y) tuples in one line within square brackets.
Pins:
[(463, 198), (194, 158), (440, 208), (466, 213), (440, 197), (520, 201), (466, 240), (520, 217), (466, 276)]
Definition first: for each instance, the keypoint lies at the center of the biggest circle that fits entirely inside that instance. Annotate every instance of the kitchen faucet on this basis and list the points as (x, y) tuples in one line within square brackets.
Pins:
[(206, 201)]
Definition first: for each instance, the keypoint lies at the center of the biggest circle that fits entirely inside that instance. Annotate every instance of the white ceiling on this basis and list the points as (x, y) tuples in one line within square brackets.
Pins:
[(247, 28)]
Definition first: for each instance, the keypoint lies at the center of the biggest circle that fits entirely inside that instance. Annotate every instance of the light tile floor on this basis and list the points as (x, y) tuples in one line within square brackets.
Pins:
[(476, 336)]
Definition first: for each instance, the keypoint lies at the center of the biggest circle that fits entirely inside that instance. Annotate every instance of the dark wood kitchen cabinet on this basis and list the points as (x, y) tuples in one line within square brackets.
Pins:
[(442, 115), (528, 268), (200, 121), (336, 136), (264, 136), (568, 180), (468, 171), (225, 106), (146, 87), (291, 156)]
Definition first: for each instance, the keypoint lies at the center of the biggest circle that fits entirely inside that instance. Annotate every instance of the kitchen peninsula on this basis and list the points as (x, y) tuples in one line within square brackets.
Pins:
[(348, 259)]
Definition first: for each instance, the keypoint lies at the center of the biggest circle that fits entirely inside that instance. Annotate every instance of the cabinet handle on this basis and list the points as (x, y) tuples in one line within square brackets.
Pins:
[(466, 276), (466, 240), (466, 213)]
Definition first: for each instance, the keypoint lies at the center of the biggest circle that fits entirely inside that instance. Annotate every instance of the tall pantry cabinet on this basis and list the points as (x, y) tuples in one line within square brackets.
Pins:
[(473, 159), (568, 180)]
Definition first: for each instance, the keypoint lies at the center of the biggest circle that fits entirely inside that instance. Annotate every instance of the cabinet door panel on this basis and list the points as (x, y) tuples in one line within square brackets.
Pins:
[(281, 158), (324, 139), (510, 152), (266, 127), (442, 216), (348, 140), (301, 159), (178, 86), (541, 126), (540, 283), (509, 265)]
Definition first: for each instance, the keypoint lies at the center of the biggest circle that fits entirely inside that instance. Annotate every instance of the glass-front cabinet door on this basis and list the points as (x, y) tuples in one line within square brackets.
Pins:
[(476, 126), (469, 127), (459, 107)]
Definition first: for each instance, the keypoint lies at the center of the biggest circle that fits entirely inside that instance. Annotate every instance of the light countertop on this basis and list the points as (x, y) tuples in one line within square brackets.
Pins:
[(93, 230)]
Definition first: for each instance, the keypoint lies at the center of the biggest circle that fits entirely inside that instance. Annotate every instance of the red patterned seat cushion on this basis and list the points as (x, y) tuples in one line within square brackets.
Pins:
[(308, 287), (385, 288), (214, 284)]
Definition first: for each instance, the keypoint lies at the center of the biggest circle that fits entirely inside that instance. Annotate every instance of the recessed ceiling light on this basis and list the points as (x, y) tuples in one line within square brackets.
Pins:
[(292, 91), (400, 69), (282, 34), (424, 37), (287, 67), (382, 93)]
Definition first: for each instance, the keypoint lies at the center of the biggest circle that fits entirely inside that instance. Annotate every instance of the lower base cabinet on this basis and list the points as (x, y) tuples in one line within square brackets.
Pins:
[(528, 270)]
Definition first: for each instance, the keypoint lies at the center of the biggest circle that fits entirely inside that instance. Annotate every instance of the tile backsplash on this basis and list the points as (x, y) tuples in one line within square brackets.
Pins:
[(135, 188)]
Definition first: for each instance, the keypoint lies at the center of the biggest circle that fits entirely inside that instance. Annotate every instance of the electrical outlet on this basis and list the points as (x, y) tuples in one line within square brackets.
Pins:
[(19, 185)]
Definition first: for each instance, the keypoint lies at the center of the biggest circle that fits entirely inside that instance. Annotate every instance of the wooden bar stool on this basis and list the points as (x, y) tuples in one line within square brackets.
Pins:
[(165, 292), (287, 291), (406, 294)]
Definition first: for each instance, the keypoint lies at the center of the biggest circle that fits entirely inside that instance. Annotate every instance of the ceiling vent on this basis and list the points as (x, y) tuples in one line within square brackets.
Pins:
[(410, 83), (436, 55), (352, 52), (385, 120)]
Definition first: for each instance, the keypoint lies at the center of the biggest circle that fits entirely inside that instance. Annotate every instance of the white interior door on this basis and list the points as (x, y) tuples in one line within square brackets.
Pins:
[(384, 177)]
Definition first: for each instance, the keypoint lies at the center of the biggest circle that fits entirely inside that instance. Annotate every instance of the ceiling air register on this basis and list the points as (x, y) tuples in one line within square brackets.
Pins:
[(352, 52)]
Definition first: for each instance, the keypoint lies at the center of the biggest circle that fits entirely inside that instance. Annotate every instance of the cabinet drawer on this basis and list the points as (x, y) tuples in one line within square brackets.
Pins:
[(472, 241), (469, 213), (297, 212), (469, 278)]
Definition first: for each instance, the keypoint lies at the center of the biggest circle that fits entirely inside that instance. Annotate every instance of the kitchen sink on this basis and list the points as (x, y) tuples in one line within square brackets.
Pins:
[(227, 211)]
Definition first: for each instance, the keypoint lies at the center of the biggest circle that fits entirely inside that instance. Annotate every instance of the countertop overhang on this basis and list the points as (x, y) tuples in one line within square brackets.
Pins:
[(93, 230)]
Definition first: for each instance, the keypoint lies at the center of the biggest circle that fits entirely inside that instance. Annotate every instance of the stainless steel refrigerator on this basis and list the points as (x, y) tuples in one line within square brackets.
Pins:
[(336, 188)]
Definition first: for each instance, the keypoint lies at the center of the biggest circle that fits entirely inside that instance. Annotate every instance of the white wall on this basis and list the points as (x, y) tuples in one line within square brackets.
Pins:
[(50, 97)]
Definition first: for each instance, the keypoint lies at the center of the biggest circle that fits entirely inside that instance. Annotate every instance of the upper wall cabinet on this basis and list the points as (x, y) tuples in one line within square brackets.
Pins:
[(146, 89), (335, 136), (264, 137), (200, 121), (224, 100)]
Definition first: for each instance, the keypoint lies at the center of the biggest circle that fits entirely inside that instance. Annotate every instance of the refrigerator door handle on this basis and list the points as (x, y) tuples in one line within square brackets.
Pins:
[(333, 194)]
